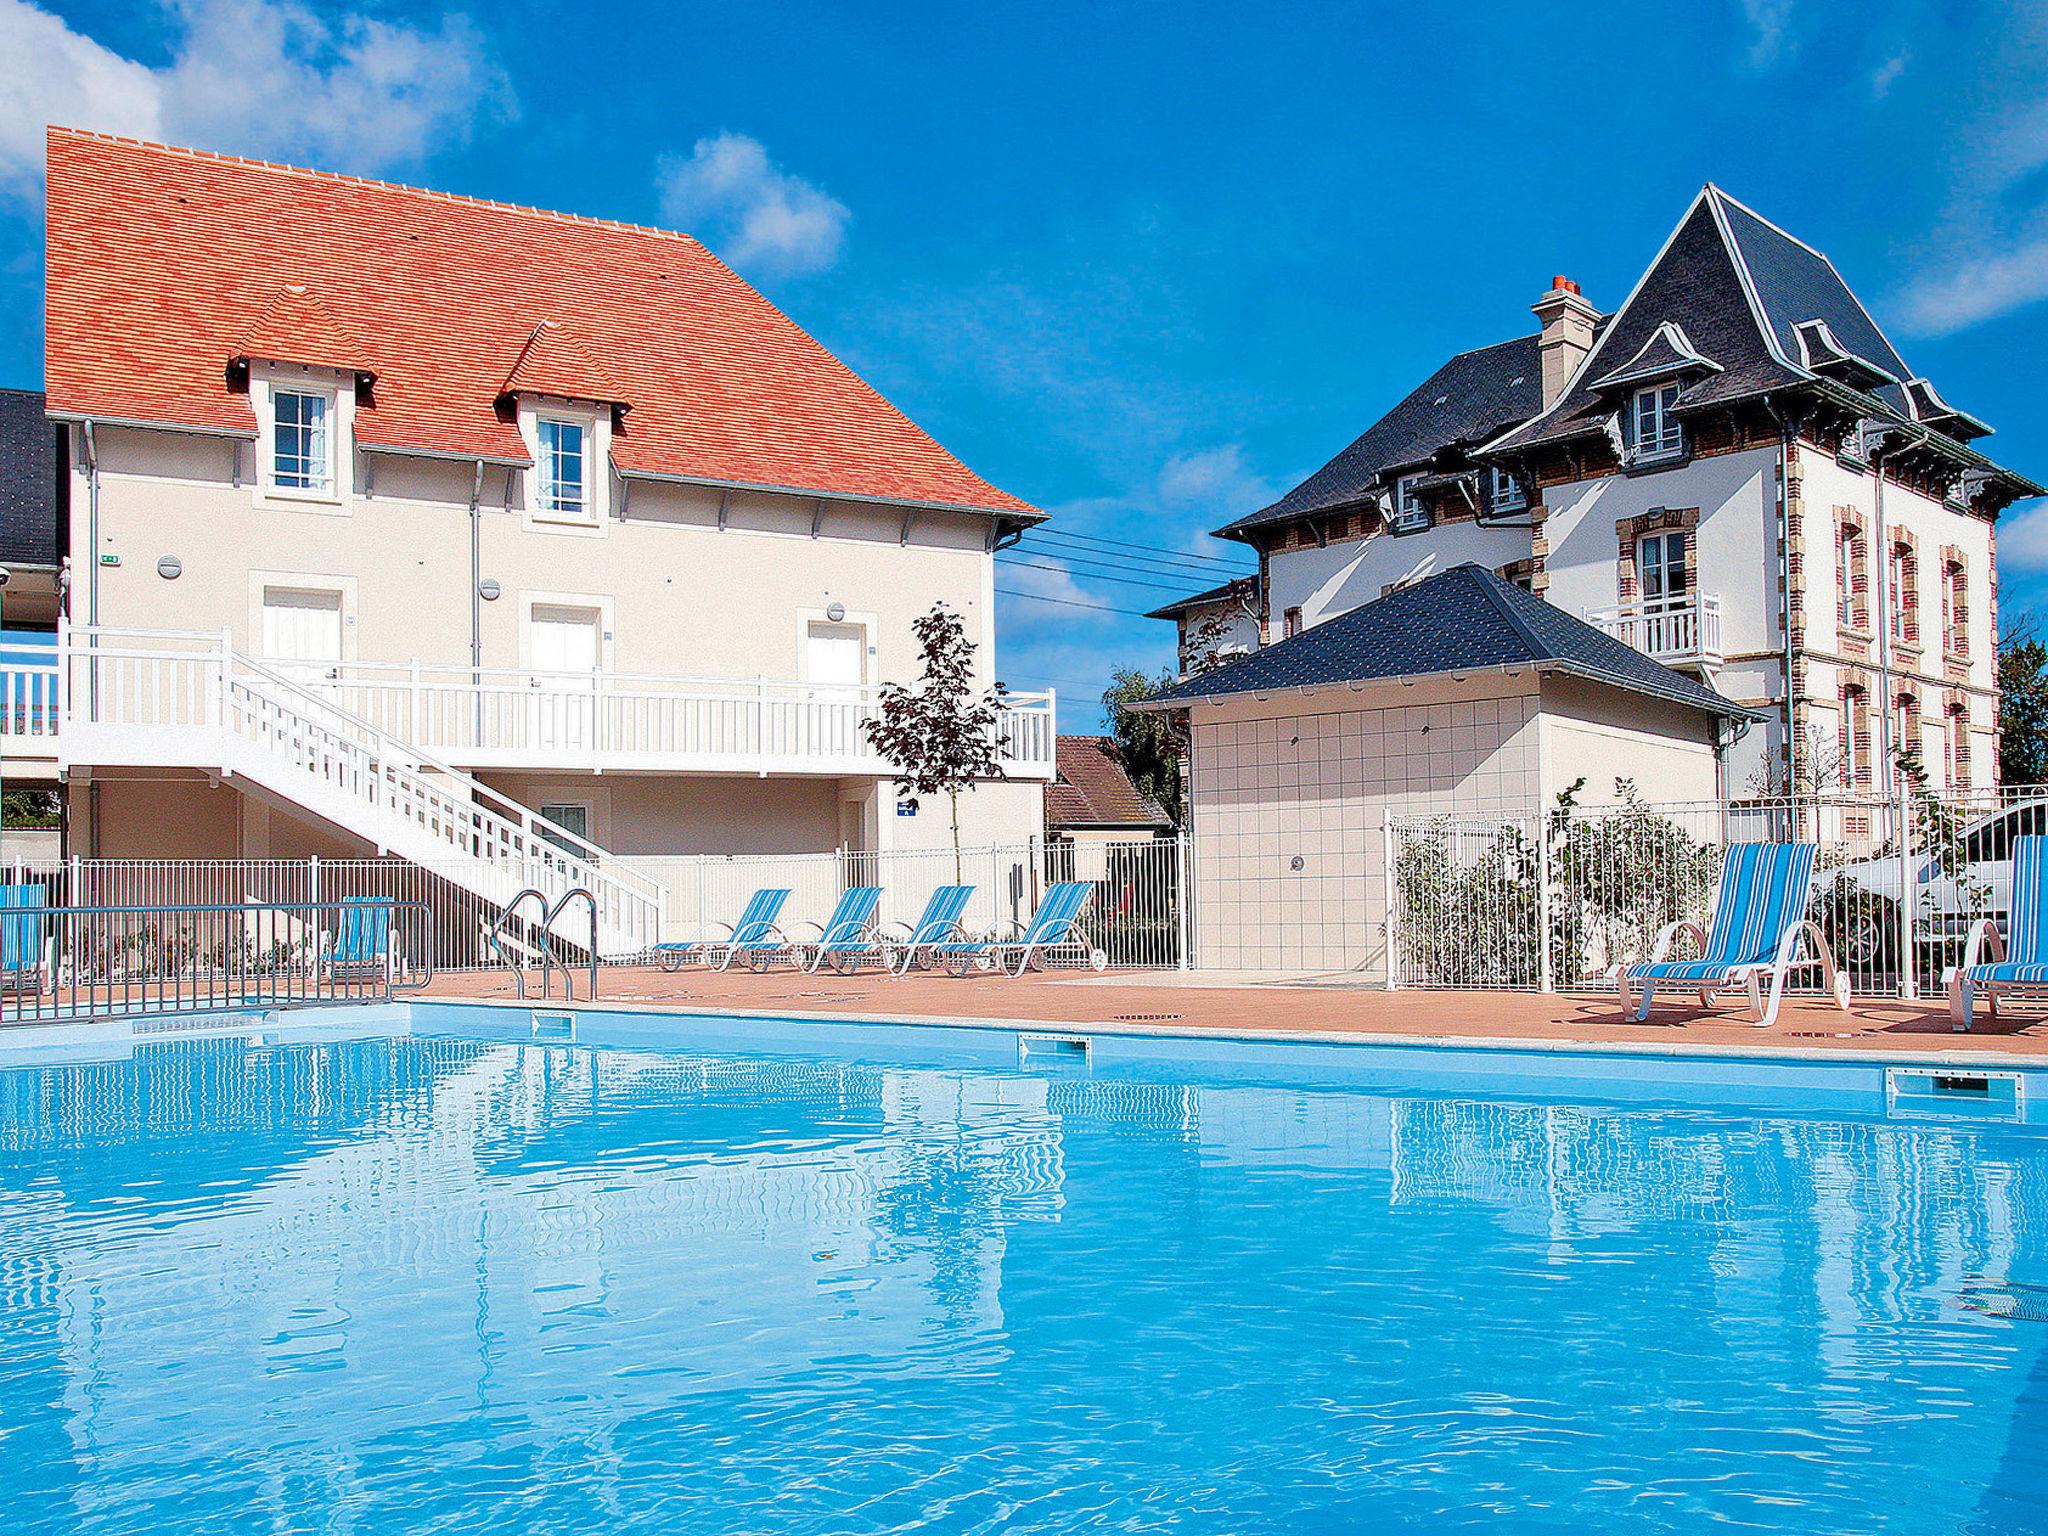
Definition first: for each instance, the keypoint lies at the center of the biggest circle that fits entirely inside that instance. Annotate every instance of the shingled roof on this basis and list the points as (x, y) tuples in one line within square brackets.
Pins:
[(1468, 400), (1760, 311), (1093, 791), (31, 472), (1465, 619), (166, 264)]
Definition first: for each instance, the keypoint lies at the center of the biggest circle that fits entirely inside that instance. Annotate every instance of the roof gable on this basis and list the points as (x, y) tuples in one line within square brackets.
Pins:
[(295, 327), (158, 258), (553, 361), (1094, 790), (1696, 286), (1465, 619)]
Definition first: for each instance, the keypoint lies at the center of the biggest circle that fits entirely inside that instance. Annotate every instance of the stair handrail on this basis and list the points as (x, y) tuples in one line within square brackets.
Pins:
[(579, 855)]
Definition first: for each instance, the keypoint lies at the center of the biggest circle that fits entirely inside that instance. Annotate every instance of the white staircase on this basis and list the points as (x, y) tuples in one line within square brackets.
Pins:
[(154, 698)]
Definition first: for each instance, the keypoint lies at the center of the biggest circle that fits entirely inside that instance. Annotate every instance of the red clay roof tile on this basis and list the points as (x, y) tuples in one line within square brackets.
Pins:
[(162, 260), (1093, 790)]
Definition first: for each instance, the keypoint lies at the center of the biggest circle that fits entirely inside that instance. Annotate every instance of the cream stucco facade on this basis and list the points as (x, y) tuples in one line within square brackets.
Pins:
[(1290, 794), (745, 591)]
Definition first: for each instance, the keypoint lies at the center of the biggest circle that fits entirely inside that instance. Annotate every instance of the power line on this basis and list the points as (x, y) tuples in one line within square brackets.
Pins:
[(1069, 602), (1067, 570), (1152, 550)]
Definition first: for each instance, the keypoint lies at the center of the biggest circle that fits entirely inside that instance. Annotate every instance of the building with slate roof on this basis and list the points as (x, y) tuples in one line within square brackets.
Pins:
[(1461, 693), (1734, 472), (596, 554)]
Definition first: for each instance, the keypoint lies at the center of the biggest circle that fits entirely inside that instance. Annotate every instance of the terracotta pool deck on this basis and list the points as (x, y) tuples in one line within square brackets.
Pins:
[(1334, 1006)]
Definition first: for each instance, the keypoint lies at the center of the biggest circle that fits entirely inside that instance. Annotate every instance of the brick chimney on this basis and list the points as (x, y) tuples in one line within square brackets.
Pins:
[(1567, 321)]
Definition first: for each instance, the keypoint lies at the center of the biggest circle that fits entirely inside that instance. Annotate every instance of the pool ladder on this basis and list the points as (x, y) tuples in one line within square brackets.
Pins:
[(501, 941)]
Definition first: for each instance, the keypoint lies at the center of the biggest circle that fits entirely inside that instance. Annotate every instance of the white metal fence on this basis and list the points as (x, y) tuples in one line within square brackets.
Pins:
[(1556, 901), (1135, 916)]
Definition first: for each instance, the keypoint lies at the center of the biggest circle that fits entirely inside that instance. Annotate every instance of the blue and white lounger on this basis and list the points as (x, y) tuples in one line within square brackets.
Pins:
[(848, 936), (1759, 926), (940, 924), (1056, 927), (361, 948), (26, 948), (755, 930), (2019, 961)]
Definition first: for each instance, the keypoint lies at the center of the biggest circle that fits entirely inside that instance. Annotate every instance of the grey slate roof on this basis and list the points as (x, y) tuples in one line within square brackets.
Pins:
[(29, 481), (1462, 620), (1470, 399), (1695, 284), (1237, 584)]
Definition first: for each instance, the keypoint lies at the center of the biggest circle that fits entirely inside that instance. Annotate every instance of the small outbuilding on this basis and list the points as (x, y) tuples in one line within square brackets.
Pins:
[(1459, 695)]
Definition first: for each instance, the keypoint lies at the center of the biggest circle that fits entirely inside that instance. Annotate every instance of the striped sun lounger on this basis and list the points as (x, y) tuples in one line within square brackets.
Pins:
[(1055, 927), (2017, 962), (755, 930), (848, 936), (940, 924), (1759, 927)]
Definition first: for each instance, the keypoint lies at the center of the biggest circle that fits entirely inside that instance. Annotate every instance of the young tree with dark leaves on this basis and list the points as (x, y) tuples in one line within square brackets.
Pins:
[(1145, 741), (2022, 708), (940, 735)]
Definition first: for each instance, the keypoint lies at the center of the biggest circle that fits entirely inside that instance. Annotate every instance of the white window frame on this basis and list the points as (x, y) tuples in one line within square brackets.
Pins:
[(1853, 704), (1410, 515), (1668, 439), (1897, 583), (1506, 494), (595, 422), (548, 500), (267, 381), (1661, 542), (1847, 547), (1958, 723)]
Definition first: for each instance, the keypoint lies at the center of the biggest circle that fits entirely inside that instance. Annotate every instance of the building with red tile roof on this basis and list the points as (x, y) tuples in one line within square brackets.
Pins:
[(1094, 793)]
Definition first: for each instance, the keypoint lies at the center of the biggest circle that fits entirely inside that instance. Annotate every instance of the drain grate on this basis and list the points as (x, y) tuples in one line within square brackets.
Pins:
[(2014, 1299), (1143, 1018)]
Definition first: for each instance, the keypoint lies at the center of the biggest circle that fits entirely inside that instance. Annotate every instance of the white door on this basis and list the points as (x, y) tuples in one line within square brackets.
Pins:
[(564, 644), (835, 666), (302, 634)]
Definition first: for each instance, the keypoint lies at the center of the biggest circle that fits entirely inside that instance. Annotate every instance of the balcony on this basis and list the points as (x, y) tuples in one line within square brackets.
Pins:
[(1678, 631), (485, 718)]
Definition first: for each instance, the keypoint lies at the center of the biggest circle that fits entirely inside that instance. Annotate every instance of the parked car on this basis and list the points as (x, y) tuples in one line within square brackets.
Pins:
[(1862, 906)]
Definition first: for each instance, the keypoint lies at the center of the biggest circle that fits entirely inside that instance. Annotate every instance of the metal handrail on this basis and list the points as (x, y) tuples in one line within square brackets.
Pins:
[(500, 931)]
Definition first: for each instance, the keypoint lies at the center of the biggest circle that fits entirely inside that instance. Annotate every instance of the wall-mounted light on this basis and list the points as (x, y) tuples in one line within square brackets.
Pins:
[(170, 567), (836, 613), (488, 589)]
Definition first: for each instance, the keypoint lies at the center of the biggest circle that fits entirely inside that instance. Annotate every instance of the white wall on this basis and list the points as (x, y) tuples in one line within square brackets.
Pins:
[(1323, 583), (684, 597)]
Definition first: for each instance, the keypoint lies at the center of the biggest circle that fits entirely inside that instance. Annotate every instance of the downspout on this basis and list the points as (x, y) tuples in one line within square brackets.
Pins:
[(476, 600), (92, 618), (1785, 615), (1881, 559)]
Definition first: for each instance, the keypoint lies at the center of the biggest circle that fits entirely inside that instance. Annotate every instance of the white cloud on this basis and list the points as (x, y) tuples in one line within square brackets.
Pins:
[(2023, 540), (1214, 481), (754, 214), (1769, 24), (1978, 289), (257, 77), (1886, 75)]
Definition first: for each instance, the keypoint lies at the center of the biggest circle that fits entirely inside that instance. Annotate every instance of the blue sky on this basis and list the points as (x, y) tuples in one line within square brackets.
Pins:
[(1146, 265)]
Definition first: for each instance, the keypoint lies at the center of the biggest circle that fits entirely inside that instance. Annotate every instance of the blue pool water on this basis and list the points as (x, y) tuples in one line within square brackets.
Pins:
[(860, 1282)]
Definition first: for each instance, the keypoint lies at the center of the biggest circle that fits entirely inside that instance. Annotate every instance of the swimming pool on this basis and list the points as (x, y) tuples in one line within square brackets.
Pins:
[(417, 1270)]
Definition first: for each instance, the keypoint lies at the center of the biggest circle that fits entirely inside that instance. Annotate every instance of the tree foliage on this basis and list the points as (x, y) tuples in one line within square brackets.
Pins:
[(1146, 743), (2022, 708), (941, 735)]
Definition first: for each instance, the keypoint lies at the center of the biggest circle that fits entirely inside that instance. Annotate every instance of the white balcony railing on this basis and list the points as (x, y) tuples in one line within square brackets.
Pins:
[(496, 717), (1678, 631)]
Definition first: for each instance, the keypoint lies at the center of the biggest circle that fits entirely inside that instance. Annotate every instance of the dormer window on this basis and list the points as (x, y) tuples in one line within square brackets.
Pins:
[(1653, 429), (564, 469), (302, 442), (1410, 515), (1507, 493)]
